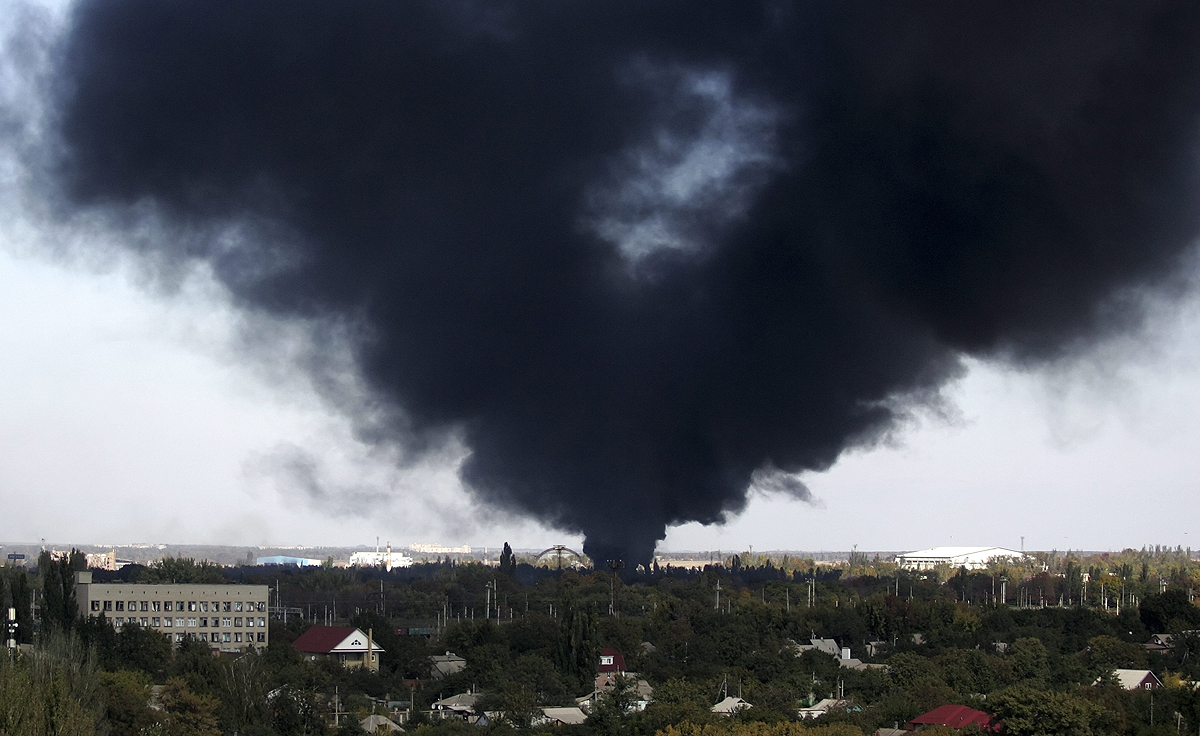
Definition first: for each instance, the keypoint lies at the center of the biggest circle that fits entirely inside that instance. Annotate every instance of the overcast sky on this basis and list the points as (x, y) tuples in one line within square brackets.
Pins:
[(129, 416), (132, 410)]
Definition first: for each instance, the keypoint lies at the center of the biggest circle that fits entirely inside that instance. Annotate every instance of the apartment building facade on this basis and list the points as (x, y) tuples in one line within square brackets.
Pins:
[(228, 618)]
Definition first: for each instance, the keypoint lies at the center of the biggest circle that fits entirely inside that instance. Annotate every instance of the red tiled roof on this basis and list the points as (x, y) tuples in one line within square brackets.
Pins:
[(954, 716), (618, 664), (322, 639)]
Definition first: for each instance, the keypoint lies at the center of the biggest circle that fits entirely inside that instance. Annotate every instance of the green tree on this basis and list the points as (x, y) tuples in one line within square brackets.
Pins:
[(188, 714), (508, 561), (611, 713), (518, 702), (186, 570), (1030, 711), (967, 671), (59, 609), (145, 650), (675, 701), (538, 674), (33, 705), (1171, 610), (906, 670), (242, 688), (15, 594), (1029, 659), (295, 712), (1107, 653), (127, 702), (578, 648)]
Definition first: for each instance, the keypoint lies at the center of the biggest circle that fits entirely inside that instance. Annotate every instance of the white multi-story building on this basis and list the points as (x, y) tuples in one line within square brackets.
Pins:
[(387, 559), (972, 558), (433, 548), (226, 617), (105, 561)]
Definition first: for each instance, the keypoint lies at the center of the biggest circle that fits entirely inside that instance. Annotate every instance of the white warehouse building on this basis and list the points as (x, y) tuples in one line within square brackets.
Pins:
[(972, 558)]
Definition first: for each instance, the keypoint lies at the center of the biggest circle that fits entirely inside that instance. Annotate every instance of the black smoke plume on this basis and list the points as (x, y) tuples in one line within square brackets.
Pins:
[(642, 256)]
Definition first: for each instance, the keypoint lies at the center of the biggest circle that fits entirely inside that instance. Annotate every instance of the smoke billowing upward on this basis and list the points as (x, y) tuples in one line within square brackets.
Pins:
[(643, 257)]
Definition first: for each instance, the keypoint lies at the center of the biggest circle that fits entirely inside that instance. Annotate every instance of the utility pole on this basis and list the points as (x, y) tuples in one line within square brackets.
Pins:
[(12, 634), (615, 566), (718, 606)]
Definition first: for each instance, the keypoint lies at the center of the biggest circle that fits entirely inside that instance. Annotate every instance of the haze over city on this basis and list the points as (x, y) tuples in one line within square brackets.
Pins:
[(153, 393)]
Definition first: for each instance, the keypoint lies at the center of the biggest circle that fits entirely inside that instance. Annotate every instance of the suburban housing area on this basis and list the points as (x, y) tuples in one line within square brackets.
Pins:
[(951, 639)]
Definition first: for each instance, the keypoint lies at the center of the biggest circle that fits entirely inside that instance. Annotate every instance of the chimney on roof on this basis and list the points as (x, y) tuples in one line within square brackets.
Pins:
[(845, 652)]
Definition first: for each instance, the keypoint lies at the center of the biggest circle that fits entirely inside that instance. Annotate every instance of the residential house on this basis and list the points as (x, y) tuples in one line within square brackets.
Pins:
[(827, 646), (611, 667), (460, 706), (830, 647), (730, 706), (444, 665), (611, 661), (379, 724), (1160, 643), (346, 645), (821, 707), (560, 717), (850, 663), (1134, 680), (953, 716)]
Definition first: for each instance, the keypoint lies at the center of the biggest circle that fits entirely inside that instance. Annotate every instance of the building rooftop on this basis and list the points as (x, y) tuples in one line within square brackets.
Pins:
[(611, 660), (568, 716), (333, 639), (948, 552), (460, 702), (954, 716), (1133, 679), (730, 705)]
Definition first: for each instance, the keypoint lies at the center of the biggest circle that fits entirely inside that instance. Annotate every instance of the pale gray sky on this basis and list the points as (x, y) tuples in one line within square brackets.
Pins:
[(129, 415)]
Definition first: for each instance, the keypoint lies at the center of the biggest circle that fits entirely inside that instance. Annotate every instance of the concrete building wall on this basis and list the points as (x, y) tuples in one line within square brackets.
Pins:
[(228, 618)]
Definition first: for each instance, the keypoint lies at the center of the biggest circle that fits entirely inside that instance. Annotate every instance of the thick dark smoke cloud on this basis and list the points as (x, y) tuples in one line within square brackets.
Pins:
[(644, 256)]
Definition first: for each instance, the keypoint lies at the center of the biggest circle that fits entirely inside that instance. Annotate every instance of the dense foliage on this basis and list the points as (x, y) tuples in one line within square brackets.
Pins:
[(531, 638)]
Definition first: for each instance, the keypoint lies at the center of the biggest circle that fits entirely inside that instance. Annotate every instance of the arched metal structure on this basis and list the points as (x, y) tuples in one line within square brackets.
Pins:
[(558, 551)]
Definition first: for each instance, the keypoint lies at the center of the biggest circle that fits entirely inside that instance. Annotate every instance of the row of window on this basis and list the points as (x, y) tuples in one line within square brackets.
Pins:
[(192, 606), (225, 637), (192, 622)]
